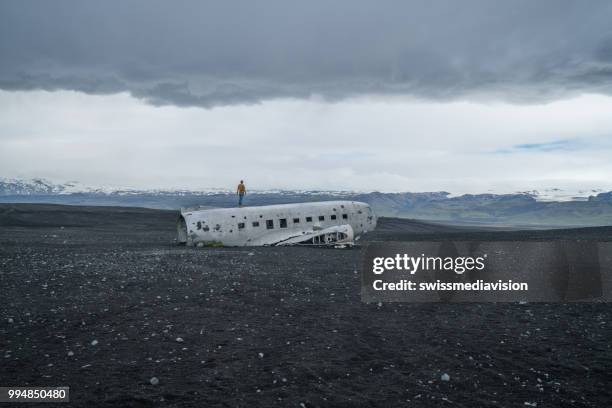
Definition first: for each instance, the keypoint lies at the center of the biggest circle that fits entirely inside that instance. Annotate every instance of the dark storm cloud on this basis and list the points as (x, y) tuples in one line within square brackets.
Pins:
[(193, 53)]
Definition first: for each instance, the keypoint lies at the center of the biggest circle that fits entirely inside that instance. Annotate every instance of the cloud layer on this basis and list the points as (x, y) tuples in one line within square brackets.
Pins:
[(193, 53), (359, 144)]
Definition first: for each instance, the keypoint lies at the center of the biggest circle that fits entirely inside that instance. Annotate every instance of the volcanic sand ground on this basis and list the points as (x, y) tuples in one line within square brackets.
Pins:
[(102, 300)]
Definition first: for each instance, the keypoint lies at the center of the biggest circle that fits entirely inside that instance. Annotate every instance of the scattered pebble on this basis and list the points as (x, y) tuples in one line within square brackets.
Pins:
[(154, 380), (179, 339), (70, 353), (445, 377), (261, 355), (10, 320), (94, 343)]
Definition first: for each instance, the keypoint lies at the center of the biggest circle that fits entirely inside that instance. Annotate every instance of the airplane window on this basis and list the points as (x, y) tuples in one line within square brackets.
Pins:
[(344, 216), (296, 220), (321, 218), (283, 223), (241, 225), (256, 223), (333, 216), (269, 224), (308, 219)]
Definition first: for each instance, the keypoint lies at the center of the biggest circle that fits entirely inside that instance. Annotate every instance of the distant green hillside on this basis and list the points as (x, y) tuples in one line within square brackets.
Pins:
[(511, 209), (504, 209)]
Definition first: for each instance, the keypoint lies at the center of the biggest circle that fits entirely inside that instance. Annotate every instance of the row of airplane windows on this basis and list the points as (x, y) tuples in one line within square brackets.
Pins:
[(283, 221)]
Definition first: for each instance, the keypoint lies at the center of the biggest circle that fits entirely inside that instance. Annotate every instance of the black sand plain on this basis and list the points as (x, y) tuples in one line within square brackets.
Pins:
[(101, 299)]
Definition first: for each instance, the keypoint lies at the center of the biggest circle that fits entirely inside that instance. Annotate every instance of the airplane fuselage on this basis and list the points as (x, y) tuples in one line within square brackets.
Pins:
[(314, 223)]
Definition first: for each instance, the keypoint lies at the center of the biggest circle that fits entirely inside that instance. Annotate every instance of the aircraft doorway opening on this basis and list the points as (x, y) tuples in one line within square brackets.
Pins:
[(181, 229)]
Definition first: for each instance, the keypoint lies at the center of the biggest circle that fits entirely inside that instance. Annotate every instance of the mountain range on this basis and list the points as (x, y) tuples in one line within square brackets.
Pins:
[(550, 208)]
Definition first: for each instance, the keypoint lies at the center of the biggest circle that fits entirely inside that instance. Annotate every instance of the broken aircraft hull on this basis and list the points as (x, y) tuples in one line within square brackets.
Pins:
[(327, 223)]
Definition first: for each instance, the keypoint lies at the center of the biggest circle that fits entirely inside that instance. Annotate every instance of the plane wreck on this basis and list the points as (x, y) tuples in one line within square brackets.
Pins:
[(326, 223)]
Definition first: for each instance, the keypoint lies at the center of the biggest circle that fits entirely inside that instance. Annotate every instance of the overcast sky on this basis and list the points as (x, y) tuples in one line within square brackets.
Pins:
[(467, 96)]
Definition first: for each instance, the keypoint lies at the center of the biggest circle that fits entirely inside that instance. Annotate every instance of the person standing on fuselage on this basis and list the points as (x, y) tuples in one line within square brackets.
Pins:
[(241, 191)]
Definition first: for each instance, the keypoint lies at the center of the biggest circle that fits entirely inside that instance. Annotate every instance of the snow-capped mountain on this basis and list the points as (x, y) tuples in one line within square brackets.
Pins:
[(557, 194), (550, 207), (41, 186)]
